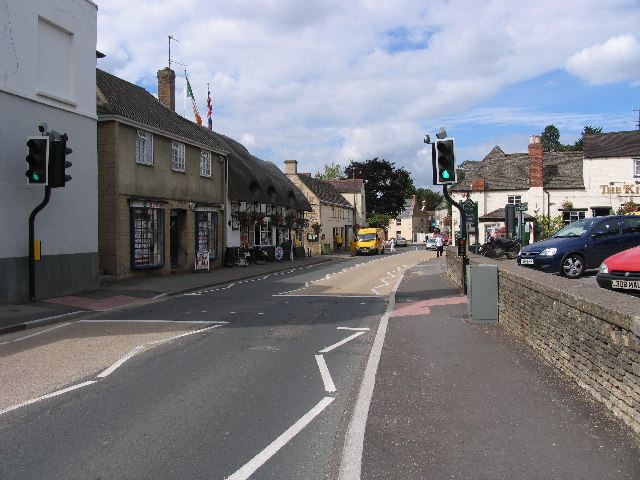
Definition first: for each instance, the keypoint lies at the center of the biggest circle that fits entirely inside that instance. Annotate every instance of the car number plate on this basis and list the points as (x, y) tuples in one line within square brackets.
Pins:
[(526, 261), (626, 284)]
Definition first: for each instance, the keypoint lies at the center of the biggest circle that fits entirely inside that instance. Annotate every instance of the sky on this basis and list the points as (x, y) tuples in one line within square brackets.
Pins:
[(334, 81)]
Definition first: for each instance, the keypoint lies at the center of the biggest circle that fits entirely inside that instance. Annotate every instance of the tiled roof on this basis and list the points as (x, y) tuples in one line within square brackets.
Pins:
[(616, 144), (502, 171), (499, 216), (120, 98), (250, 178), (325, 191), (348, 185)]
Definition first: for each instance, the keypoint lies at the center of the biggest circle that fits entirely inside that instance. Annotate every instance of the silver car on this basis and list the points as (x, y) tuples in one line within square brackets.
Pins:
[(431, 244)]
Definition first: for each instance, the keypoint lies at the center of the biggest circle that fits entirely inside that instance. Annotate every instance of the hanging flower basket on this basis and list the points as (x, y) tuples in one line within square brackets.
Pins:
[(290, 219), (316, 227), (278, 220), (243, 218), (301, 223), (257, 217), (566, 205)]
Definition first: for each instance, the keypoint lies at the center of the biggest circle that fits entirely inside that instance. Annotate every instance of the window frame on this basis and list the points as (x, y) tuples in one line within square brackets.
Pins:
[(205, 164), (636, 167), (178, 163), (514, 199), (144, 147)]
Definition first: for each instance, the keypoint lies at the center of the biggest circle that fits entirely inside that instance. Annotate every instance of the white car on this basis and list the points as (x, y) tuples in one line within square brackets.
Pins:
[(431, 244)]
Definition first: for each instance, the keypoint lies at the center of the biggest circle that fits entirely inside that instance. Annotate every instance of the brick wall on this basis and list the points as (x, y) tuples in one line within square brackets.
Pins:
[(589, 333)]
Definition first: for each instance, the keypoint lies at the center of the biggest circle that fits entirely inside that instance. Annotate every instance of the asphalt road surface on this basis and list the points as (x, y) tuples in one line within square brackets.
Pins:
[(251, 379)]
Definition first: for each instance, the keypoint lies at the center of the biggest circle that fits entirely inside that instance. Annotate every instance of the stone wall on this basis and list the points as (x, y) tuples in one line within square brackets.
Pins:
[(589, 333)]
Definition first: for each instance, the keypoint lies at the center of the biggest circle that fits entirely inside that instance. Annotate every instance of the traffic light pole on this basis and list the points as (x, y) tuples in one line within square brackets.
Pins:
[(32, 263), (463, 234)]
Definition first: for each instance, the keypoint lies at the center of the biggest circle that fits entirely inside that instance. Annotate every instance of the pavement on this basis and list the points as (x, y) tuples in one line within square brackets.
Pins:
[(453, 398), (459, 399), (131, 291)]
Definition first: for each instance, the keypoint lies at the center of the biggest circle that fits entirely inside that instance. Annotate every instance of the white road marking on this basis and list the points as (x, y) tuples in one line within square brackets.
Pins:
[(48, 395), (256, 462), (363, 329), (329, 386), (41, 332), (336, 345), (145, 321), (139, 348), (351, 464)]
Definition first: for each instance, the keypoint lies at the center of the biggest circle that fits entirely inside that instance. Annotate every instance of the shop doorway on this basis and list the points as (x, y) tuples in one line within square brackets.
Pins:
[(176, 227)]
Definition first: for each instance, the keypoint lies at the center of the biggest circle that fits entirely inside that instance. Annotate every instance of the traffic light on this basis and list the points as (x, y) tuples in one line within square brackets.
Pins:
[(460, 243), (444, 162), (58, 162), (38, 160)]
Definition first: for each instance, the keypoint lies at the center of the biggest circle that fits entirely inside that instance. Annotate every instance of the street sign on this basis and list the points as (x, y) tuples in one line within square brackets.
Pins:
[(522, 208)]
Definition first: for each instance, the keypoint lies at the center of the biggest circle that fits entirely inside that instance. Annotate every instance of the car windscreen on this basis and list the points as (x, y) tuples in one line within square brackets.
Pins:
[(576, 229), (366, 237)]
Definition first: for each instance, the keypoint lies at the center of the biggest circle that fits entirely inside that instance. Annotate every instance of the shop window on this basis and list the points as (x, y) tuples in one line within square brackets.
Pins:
[(144, 148), (177, 156), (205, 163), (207, 233), (147, 237)]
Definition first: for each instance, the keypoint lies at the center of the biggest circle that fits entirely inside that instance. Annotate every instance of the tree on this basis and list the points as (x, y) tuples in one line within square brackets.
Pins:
[(550, 139), (386, 187), (331, 172), (379, 221), (432, 198), (588, 130)]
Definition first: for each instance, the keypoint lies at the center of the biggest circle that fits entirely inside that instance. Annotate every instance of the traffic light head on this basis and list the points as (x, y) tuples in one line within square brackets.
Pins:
[(38, 160), (58, 162), (444, 162)]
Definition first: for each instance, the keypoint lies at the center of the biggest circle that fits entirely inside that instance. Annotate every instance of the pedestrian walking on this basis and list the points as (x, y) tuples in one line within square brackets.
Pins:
[(439, 246), (392, 245)]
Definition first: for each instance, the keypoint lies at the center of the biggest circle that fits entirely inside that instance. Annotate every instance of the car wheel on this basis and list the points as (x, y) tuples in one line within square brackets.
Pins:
[(512, 253), (572, 266)]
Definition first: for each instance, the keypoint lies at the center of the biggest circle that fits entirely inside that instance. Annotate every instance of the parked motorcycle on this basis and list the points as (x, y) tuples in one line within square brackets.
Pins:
[(497, 247)]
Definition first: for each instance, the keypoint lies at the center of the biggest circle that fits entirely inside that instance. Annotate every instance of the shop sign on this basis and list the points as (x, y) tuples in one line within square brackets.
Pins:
[(626, 189), (279, 253), (202, 260), (145, 204)]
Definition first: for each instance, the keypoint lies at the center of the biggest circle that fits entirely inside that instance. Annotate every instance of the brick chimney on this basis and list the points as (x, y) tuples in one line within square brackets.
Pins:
[(291, 167), (167, 87), (477, 185), (535, 162)]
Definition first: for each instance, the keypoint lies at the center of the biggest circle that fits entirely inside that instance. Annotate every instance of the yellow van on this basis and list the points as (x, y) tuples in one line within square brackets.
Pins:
[(370, 240)]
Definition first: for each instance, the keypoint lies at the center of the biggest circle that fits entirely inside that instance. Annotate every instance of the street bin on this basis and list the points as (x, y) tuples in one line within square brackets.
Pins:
[(482, 291), (326, 249)]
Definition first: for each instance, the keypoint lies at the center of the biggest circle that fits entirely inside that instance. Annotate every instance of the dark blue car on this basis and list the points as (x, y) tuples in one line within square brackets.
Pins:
[(582, 245)]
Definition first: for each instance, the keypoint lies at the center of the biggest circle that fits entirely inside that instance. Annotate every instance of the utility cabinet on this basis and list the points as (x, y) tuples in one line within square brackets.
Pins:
[(482, 292)]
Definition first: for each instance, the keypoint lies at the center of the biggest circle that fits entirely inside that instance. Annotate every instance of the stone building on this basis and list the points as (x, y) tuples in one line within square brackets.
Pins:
[(573, 185), (413, 222), (331, 216), (162, 183)]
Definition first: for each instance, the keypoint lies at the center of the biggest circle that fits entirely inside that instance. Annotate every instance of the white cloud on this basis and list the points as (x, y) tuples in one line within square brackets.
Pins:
[(329, 80), (616, 60)]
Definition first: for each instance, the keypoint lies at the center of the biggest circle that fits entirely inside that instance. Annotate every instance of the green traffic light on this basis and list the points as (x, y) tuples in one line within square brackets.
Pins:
[(445, 174), (35, 176)]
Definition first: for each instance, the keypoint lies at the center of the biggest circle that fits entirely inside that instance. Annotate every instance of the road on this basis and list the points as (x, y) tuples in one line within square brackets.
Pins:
[(253, 379)]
